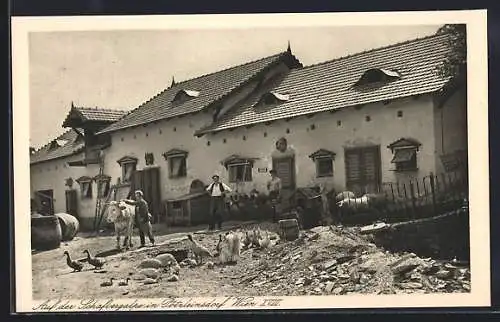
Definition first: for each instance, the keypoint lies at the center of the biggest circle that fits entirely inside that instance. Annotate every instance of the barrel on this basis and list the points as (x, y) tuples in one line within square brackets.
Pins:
[(45, 232), (69, 225), (289, 229)]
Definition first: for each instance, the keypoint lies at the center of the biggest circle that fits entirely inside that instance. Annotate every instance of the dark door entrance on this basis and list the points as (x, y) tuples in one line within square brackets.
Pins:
[(285, 170), (46, 201), (148, 180), (363, 173), (72, 202)]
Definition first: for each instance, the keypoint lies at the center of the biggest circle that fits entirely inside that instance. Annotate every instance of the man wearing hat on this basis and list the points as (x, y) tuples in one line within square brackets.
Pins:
[(274, 187), (216, 191), (142, 217)]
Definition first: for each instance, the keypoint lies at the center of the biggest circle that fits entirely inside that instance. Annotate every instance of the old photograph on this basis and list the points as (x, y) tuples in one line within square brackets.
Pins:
[(309, 161)]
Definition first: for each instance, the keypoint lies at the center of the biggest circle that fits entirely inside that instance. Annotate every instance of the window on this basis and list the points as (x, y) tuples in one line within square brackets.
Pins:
[(324, 162), (177, 163), (85, 187), (239, 168), (272, 98), (240, 172), (404, 153), (184, 95), (405, 159), (128, 165), (377, 75), (103, 185), (177, 166)]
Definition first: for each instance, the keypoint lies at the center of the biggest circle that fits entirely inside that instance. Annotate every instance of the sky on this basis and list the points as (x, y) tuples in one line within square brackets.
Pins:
[(122, 69)]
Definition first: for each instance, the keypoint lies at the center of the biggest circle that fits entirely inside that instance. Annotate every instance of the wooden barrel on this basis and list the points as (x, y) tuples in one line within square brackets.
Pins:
[(69, 225), (45, 232), (289, 229)]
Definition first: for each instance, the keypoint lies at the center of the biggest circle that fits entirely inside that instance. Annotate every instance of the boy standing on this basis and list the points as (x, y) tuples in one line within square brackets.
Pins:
[(142, 217)]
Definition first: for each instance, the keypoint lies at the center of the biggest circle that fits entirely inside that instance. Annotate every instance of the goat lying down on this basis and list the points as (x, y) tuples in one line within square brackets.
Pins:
[(369, 201), (229, 248)]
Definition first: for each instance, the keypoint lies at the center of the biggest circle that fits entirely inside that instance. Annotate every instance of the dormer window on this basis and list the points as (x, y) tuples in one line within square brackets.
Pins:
[(177, 163), (377, 75), (184, 95), (128, 165), (57, 143), (324, 162), (273, 98), (404, 153)]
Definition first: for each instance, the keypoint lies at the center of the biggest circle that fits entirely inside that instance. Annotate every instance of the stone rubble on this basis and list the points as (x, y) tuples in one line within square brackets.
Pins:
[(338, 260)]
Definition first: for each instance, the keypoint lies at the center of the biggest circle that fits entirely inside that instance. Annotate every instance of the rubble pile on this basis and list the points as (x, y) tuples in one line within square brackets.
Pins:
[(333, 260)]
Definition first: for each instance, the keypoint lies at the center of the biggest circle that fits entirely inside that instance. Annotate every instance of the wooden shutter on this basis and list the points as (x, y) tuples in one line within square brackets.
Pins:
[(363, 169), (284, 170)]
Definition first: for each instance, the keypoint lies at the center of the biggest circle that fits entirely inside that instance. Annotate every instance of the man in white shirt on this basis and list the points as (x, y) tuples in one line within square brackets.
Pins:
[(274, 188), (217, 190)]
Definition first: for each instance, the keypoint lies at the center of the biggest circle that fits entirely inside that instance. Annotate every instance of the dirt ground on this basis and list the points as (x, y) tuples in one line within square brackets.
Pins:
[(324, 260)]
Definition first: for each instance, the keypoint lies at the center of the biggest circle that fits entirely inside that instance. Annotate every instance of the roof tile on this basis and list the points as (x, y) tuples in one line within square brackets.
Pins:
[(327, 86), (74, 144), (211, 88)]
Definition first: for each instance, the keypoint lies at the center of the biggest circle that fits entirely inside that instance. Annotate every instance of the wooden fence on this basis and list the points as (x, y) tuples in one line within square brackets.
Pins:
[(409, 199)]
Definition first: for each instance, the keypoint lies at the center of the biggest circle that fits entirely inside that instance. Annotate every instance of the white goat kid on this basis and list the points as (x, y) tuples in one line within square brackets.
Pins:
[(229, 248), (122, 216)]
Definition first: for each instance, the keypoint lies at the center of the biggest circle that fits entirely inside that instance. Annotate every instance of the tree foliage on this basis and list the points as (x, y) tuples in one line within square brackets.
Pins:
[(455, 64)]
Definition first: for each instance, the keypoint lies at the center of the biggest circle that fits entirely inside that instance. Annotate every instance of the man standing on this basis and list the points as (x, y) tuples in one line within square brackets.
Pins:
[(274, 188), (217, 190), (142, 217)]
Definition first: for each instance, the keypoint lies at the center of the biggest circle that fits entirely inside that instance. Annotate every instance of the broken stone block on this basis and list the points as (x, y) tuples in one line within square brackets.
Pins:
[(364, 279), (173, 278), (337, 290), (404, 268), (369, 266), (345, 258), (329, 264), (307, 281), (329, 287), (443, 274), (411, 285)]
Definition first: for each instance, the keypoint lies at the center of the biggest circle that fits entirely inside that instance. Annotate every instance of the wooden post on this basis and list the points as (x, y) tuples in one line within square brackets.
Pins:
[(433, 194), (413, 201)]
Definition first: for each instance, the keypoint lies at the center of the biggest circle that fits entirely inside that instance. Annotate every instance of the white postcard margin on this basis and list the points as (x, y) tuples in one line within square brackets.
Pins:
[(477, 136)]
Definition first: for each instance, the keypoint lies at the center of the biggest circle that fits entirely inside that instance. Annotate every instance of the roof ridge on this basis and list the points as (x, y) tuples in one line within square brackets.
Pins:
[(228, 68), (376, 49), (194, 78), (99, 109)]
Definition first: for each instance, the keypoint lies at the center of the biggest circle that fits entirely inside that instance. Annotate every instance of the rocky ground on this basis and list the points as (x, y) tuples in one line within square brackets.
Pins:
[(324, 260)]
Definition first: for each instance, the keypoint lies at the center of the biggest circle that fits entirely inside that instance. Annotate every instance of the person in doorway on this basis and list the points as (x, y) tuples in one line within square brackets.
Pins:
[(142, 217), (217, 191), (274, 188)]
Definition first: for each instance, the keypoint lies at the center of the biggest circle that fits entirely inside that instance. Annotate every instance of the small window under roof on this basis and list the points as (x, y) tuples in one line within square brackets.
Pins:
[(378, 75), (272, 98), (185, 94)]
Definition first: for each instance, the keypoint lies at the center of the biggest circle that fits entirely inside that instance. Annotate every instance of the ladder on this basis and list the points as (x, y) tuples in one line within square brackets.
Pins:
[(98, 204)]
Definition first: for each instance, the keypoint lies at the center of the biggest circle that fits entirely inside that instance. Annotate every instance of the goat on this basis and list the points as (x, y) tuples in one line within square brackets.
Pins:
[(229, 248), (122, 216)]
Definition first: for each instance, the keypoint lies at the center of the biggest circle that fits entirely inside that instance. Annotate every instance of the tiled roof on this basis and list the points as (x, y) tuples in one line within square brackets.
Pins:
[(329, 85), (211, 88), (93, 114), (52, 150)]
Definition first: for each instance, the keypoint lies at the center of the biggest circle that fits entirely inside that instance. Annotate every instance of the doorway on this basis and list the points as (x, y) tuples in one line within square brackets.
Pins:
[(46, 201)]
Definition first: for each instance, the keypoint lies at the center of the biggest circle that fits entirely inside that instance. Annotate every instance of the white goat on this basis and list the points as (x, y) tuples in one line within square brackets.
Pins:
[(229, 248), (122, 216)]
